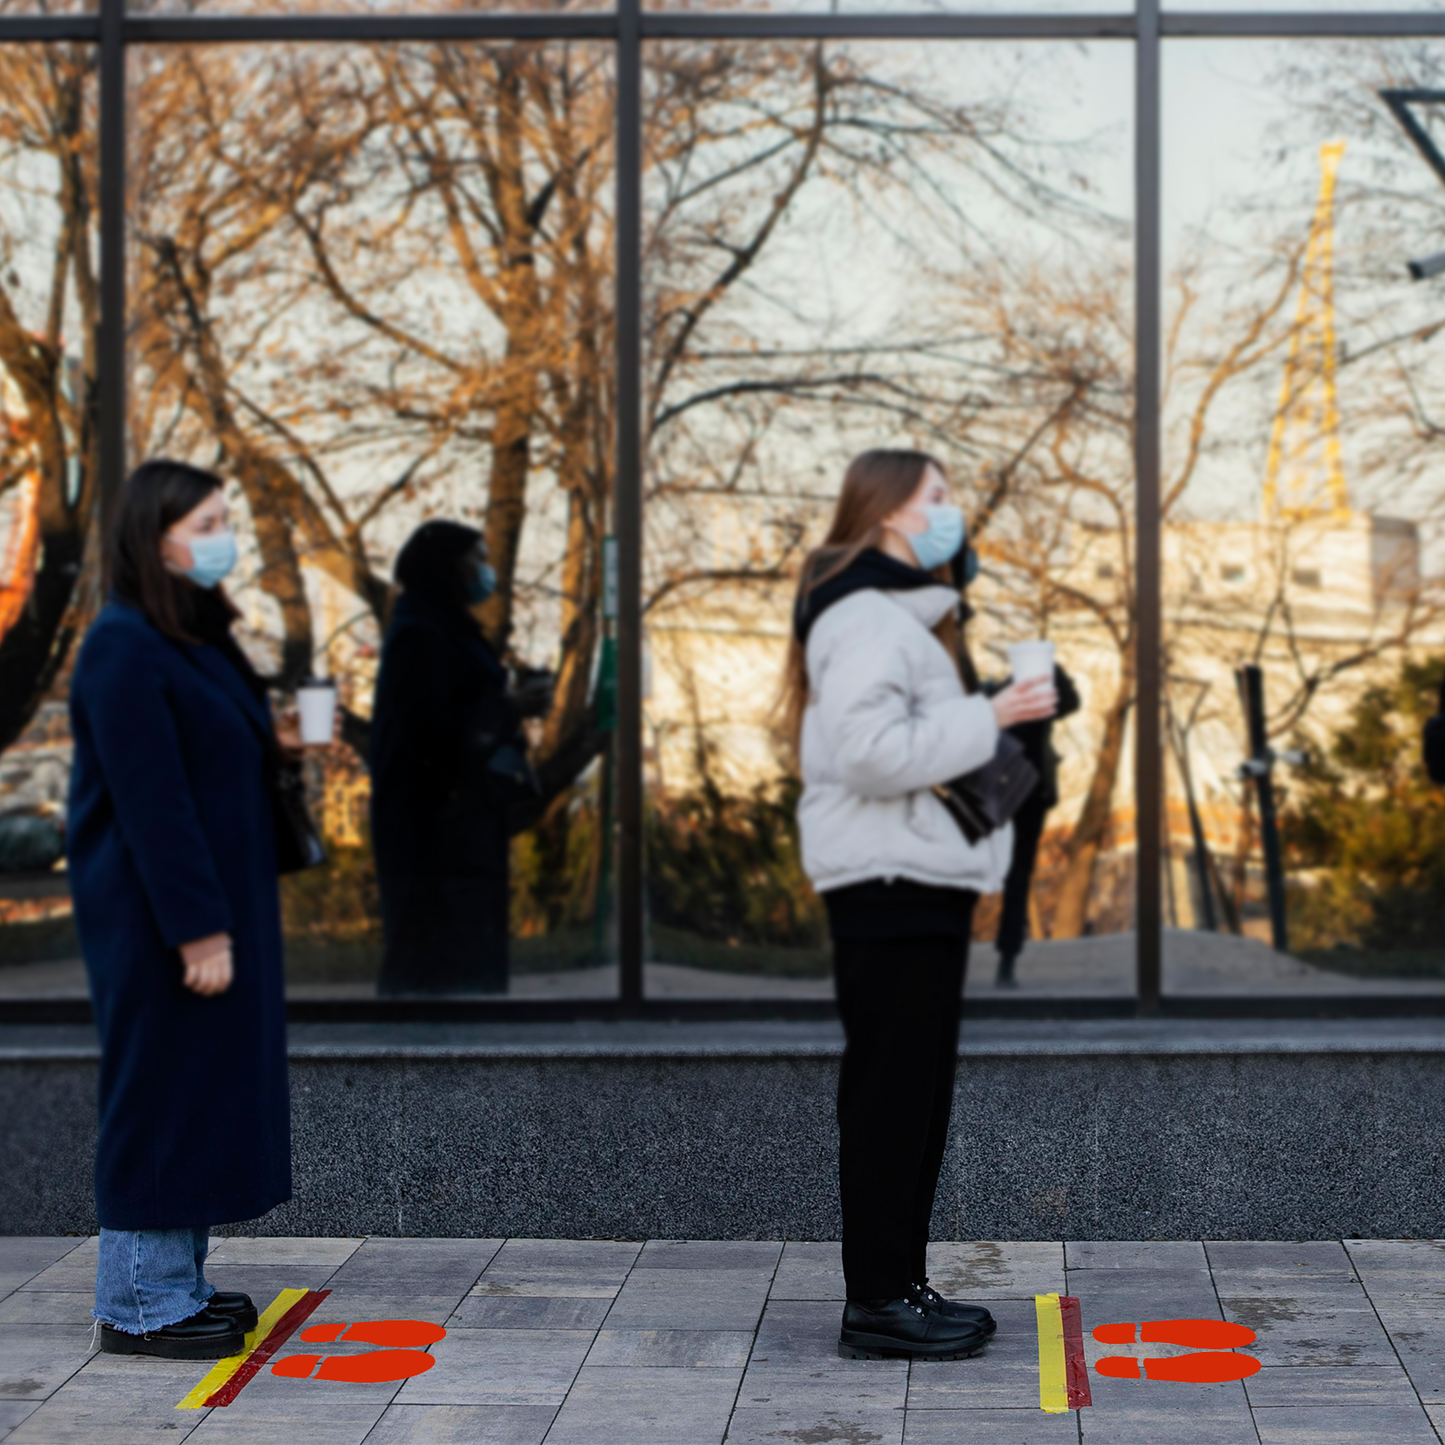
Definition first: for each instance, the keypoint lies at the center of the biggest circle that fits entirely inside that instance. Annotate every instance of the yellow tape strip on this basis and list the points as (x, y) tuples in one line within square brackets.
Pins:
[(222, 1370), (1053, 1374)]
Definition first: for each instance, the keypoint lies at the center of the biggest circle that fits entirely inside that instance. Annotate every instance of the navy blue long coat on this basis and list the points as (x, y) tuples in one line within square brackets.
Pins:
[(171, 838)]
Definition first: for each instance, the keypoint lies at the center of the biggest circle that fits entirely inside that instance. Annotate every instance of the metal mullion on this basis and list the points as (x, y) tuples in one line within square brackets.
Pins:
[(1148, 636), (111, 350), (49, 27), (627, 501), (662, 25), (1321, 24), (257, 29)]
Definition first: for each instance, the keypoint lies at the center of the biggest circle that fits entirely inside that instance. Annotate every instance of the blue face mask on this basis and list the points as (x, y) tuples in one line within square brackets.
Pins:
[(212, 558), (940, 542), (482, 583)]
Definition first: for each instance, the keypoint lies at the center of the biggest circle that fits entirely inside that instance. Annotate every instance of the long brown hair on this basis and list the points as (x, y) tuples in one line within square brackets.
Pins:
[(876, 484), (154, 498)]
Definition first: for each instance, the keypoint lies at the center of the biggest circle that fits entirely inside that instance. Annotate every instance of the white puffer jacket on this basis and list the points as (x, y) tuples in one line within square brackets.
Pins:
[(887, 719)]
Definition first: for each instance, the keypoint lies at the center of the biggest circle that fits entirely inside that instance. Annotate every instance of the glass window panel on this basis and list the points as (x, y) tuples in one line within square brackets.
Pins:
[(372, 285), (901, 7), (360, 7), (1303, 509), (874, 244), (49, 309)]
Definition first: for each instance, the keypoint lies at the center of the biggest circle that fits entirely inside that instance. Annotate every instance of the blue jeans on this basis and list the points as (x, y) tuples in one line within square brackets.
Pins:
[(147, 1279)]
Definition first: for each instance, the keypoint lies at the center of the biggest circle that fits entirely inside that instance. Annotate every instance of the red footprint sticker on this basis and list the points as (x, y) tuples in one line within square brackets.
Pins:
[(400, 1361), (1211, 1364)]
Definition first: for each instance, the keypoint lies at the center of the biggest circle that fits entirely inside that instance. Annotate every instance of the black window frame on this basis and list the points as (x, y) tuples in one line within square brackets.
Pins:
[(628, 28)]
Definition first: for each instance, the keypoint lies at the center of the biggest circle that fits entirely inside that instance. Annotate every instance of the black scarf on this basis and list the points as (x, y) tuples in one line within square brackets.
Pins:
[(871, 568)]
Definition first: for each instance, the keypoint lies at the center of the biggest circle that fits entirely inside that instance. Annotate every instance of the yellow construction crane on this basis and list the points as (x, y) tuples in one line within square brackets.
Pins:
[(1305, 476)]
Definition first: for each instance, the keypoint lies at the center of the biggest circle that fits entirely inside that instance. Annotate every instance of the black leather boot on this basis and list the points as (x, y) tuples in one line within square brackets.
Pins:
[(237, 1305), (203, 1336), (888, 1329), (1005, 978), (955, 1309)]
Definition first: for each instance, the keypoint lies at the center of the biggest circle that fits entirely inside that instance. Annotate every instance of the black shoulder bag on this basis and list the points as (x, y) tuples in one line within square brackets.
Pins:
[(984, 800)]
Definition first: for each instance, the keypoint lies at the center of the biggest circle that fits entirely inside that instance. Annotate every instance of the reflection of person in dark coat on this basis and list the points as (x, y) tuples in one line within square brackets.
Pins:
[(173, 870), (1037, 740), (447, 759)]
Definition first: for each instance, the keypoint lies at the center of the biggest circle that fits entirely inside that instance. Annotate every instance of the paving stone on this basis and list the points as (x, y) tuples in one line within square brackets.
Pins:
[(605, 1256), (23, 1256), (795, 1365), (266, 1420), (73, 1272), (12, 1412), (1164, 1255), (463, 1425), (1310, 1257), (987, 1270), (352, 1305), (996, 1427), (431, 1266), (1311, 1385), (820, 1424), (1308, 1330), (723, 1349), (529, 1312), (570, 1268), (810, 1270), (47, 1307), (315, 1254), (36, 1359), (115, 1400), (1418, 1336), (1377, 1256), (702, 1299), (1404, 1424), (542, 1283), (646, 1407), (709, 1254), (1148, 1412), (1142, 1294), (500, 1367), (1173, 1420)]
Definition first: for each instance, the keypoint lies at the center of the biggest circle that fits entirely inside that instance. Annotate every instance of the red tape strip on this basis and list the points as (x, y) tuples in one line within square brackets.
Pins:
[(1076, 1371), (280, 1332)]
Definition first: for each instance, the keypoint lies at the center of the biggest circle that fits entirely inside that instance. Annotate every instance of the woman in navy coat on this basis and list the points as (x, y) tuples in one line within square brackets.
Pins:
[(448, 758), (173, 869)]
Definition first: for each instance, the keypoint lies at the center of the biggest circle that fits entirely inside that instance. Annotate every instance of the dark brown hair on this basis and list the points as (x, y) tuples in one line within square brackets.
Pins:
[(154, 498), (876, 484)]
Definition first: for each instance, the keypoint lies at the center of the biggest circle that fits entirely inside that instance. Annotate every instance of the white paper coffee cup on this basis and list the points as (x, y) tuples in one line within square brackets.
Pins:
[(1028, 660), (317, 704)]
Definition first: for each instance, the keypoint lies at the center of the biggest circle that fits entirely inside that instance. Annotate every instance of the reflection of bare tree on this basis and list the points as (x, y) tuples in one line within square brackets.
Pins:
[(49, 312)]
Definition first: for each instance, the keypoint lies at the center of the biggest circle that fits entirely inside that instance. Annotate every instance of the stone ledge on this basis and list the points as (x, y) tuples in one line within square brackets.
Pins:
[(646, 1039)]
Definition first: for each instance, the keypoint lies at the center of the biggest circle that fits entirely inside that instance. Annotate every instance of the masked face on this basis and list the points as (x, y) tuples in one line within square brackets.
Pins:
[(931, 525), (481, 580), (202, 546)]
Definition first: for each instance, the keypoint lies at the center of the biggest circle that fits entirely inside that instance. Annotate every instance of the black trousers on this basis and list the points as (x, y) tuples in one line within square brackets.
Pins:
[(899, 1001), (1013, 924)]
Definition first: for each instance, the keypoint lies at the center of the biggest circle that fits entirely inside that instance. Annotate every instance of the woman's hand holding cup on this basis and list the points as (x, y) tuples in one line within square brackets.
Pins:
[(1029, 701)]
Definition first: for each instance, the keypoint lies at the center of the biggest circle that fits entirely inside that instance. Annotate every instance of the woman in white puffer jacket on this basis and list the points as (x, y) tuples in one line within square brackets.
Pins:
[(879, 711)]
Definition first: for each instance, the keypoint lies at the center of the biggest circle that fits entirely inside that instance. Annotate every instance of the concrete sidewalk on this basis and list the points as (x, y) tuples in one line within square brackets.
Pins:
[(600, 1342)]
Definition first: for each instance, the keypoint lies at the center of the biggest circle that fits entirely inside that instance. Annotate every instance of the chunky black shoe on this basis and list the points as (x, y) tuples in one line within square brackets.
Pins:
[(202, 1337), (888, 1329), (237, 1305), (956, 1309)]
